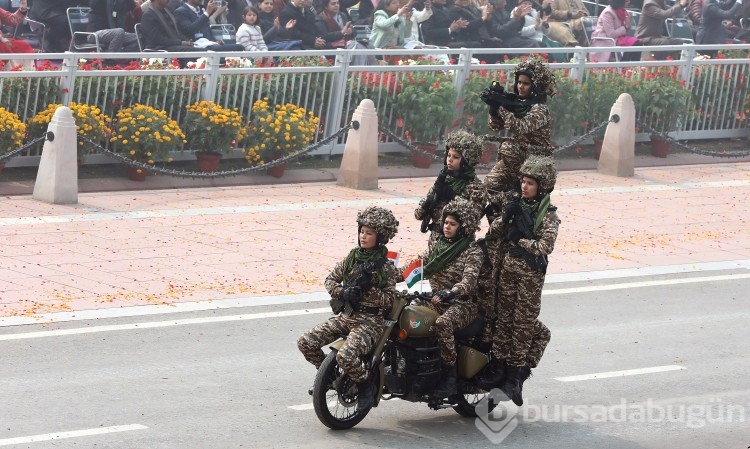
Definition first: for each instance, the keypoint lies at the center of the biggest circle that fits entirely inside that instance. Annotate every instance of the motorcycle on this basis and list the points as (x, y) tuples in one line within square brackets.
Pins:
[(405, 364)]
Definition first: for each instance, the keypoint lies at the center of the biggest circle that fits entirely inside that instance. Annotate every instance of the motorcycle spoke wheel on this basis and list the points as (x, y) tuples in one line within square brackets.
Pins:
[(468, 397), (335, 396)]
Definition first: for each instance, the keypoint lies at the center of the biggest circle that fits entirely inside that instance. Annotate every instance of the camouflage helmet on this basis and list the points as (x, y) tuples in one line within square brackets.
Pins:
[(542, 79), (381, 220), (542, 169), (467, 144), (465, 212)]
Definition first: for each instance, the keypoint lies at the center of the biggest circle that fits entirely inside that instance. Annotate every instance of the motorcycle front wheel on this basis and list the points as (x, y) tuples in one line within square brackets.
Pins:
[(468, 398), (335, 396)]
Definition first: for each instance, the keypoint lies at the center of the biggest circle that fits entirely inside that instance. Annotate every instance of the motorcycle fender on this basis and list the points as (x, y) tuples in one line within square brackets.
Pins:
[(336, 345)]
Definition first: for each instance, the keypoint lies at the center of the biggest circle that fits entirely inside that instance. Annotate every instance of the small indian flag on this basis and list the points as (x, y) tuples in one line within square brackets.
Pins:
[(413, 273), (393, 257)]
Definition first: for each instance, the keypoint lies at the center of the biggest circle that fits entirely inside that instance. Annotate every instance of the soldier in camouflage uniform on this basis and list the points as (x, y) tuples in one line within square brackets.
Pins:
[(529, 125), (457, 179), (452, 264), (360, 296), (529, 234)]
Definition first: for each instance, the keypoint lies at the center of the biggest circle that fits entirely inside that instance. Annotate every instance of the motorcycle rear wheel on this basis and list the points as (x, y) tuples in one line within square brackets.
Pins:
[(336, 406), (467, 399)]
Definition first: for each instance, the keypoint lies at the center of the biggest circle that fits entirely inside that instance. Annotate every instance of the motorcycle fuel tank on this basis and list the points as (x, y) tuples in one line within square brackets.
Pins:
[(418, 321)]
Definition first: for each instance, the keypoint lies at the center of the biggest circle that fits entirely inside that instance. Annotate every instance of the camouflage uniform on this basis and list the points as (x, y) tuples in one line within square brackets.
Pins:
[(470, 147), (459, 276), (531, 132), (362, 323), (519, 302)]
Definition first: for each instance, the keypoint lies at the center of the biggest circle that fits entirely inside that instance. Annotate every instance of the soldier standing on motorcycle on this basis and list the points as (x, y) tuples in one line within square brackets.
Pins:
[(362, 288), (525, 114), (458, 178), (451, 264), (529, 225)]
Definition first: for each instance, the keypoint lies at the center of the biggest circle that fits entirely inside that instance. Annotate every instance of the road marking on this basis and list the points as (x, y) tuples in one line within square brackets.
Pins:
[(70, 434), (302, 407), (158, 324), (252, 301), (629, 372)]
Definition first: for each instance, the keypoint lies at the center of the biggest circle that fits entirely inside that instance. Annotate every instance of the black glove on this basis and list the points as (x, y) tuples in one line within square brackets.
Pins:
[(491, 211), (429, 203), (446, 295), (352, 295), (511, 209), (442, 190), (513, 234)]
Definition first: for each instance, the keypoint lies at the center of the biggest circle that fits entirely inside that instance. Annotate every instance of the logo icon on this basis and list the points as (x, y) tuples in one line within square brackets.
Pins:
[(496, 416), (414, 323)]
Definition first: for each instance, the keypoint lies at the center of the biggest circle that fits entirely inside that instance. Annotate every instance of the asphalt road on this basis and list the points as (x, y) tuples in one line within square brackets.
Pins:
[(233, 378)]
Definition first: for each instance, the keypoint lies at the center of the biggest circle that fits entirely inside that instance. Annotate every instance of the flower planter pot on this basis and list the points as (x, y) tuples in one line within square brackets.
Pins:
[(208, 161), (490, 149), (598, 148), (420, 161), (277, 171), (136, 173), (659, 147)]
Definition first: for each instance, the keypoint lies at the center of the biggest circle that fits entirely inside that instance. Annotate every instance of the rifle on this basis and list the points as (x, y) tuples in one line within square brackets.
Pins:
[(524, 224), (440, 192), (362, 278)]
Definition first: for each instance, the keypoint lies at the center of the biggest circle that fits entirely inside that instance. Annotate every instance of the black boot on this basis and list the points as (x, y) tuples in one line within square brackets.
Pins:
[(494, 375), (365, 394), (513, 385), (447, 386)]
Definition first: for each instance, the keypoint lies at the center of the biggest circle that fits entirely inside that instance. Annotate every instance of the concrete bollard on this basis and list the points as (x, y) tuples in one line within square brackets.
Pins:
[(618, 150), (57, 177), (359, 165)]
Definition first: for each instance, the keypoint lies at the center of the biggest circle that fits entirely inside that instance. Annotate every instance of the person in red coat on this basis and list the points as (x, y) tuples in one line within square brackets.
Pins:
[(10, 45)]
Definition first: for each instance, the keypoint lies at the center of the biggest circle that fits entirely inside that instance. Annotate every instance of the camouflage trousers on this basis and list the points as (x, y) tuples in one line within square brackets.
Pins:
[(452, 318), (487, 288), (518, 307), (507, 170), (363, 332)]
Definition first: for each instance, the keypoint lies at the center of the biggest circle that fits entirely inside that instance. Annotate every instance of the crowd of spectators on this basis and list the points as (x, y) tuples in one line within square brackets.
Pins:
[(186, 25)]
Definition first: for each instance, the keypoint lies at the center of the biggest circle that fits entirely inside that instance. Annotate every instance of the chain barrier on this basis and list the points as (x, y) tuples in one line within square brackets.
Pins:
[(17, 151), (614, 119), (407, 144), (217, 174), (688, 148)]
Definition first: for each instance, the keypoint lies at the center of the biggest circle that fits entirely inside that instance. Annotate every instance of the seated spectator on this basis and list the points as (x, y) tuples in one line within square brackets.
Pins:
[(695, 13), (160, 30), (236, 11), (508, 26), (712, 30), (171, 5), (53, 13), (478, 31), (304, 28), (193, 22), (651, 24), (536, 27), (391, 24), (441, 29), (565, 22), (10, 45), (336, 28), (220, 14), (134, 17), (107, 20), (418, 15), (276, 37), (249, 35), (743, 34), (614, 22), (366, 9)]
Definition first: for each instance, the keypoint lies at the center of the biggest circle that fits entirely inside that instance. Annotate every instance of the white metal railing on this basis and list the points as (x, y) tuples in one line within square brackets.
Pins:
[(333, 92)]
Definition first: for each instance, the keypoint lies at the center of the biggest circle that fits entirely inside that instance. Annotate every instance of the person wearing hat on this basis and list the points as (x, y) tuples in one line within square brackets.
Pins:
[(528, 120), (362, 289), (451, 265), (457, 179), (529, 225)]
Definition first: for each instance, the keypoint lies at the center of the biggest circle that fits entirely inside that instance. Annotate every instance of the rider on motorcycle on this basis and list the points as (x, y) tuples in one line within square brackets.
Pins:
[(451, 264), (529, 229), (362, 288), (458, 178)]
